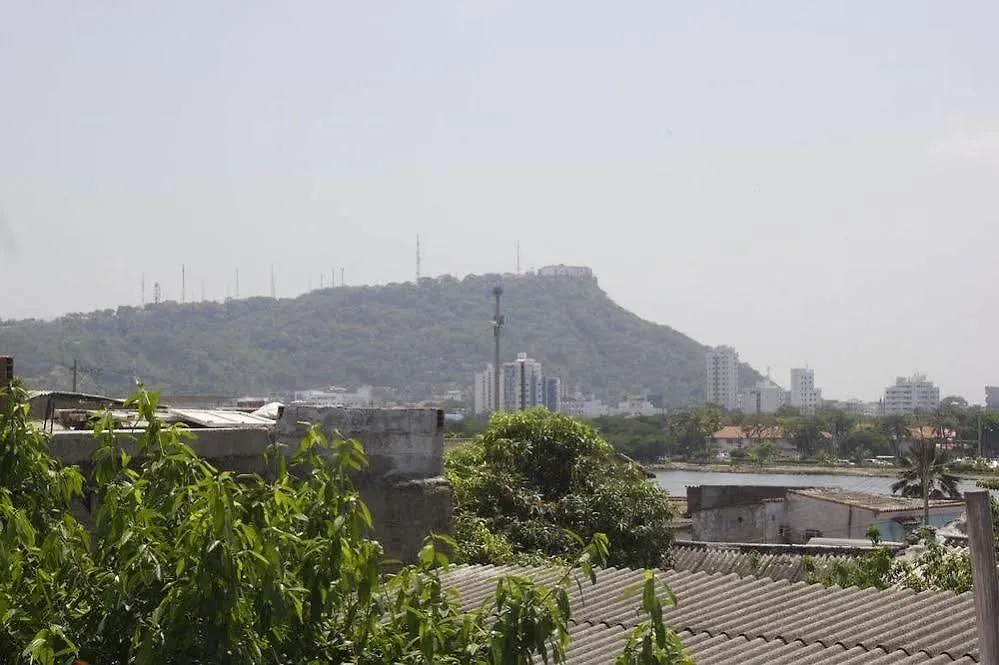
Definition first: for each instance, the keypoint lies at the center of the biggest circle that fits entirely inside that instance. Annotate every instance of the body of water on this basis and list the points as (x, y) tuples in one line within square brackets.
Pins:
[(676, 482)]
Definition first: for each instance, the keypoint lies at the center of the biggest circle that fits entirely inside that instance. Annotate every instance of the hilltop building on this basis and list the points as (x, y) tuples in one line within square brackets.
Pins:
[(911, 394), (565, 271), (722, 365), (804, 395)]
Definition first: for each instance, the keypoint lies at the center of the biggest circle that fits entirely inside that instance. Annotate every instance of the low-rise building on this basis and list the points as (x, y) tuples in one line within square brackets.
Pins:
[(754, 514), (733, 437), (992, 398)]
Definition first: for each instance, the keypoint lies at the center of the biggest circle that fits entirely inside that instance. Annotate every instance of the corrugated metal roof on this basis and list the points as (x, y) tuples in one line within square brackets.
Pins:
[(790, 567), (729, 620), (218, 418)]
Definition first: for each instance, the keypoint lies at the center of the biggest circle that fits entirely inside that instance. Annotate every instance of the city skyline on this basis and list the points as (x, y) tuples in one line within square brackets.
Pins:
[(802, 185)]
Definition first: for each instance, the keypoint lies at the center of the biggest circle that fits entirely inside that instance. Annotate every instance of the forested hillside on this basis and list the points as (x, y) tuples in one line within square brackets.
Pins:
[(417, 338)]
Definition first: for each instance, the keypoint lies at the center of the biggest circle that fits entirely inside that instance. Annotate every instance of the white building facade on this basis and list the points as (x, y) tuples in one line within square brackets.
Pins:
[(722, 366), (911, 394), (482, 391), (766, 397), (523, 384), (804, 395)]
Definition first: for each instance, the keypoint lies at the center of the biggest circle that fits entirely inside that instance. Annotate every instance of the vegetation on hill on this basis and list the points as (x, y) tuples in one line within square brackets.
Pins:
[(538, 483), (185, 563), (417, 338)]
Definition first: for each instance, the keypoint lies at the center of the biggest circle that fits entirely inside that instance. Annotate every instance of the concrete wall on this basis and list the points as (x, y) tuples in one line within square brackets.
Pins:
[(831, 518), (705, 497), (400, 443), (403, 487), (732, 524)]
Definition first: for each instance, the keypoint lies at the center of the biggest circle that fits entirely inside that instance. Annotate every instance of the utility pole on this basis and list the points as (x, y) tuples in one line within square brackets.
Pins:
[(74, 374), (985, 579), (497, 326)]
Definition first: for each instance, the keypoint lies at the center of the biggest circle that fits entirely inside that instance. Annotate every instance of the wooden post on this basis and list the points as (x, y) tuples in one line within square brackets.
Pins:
[(981, 540)]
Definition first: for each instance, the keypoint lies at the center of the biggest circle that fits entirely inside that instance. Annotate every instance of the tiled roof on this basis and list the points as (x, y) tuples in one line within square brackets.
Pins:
[(877, 502), (790, 567), (729, 620)]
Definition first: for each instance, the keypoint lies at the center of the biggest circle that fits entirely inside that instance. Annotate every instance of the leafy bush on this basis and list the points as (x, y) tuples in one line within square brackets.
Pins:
[(189, 564), (545, 483)]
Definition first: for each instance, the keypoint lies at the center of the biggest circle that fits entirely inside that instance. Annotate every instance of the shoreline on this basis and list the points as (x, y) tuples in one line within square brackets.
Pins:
[(794, 469)]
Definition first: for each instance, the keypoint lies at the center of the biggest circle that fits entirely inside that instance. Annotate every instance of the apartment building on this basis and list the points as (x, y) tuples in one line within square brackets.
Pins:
[(722, 370), (911, 394), (482, 391), (523, 384), (804, 394)]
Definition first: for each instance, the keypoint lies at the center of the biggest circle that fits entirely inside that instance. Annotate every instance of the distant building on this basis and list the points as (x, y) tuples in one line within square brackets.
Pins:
[(722, 365), (565, 271), (553, 394), (911, 394), (482, 391), (337, 396), (804, 395), (523, 384), (992, 398), (766, 397), (635, 405)]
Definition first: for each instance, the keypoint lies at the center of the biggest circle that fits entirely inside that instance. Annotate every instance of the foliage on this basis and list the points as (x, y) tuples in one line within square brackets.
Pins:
[(191, 564), (534, 479), (689, 431), (925, 475), (419, 339), (642, 438), (934, 568)]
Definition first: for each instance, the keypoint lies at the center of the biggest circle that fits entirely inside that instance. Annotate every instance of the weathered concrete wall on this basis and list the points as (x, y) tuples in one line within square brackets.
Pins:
[(400, 443), (736, 524), (832, 519), (705, 497), (403, 487)]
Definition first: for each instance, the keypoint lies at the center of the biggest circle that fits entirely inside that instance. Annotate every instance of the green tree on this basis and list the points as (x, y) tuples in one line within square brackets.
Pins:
[(896, 428), (925, 475), (689, 431), (534, 478), (191, 564)]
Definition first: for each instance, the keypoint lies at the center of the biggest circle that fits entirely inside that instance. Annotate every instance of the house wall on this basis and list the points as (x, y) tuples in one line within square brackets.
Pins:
[(830, 518), (891, 529), (733, 524)]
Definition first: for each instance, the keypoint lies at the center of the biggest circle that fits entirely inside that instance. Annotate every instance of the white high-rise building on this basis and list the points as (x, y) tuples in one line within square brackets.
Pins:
[(911, 394), (483, 391), (804, 395), (523, 384), (722, 363)]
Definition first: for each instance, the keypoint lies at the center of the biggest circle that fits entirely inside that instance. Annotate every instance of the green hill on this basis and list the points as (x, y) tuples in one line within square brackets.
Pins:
[(417, 338)]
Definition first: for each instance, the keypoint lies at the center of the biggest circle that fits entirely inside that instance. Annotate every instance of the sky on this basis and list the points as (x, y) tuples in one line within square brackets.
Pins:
[(812, 183)]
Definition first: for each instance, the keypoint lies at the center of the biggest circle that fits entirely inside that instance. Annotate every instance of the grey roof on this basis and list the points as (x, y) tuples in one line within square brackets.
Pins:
[(729, 620), (790, 567)]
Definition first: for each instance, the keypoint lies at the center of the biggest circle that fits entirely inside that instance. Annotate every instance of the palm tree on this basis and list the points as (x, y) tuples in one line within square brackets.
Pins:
[(925, 475)]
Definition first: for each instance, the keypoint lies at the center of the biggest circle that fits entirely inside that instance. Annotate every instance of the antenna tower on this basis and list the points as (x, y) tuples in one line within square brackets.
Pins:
[(341, 277), (183, 283)]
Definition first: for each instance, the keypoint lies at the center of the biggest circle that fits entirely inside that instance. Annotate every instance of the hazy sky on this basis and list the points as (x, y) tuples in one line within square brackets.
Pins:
[(809, 182)]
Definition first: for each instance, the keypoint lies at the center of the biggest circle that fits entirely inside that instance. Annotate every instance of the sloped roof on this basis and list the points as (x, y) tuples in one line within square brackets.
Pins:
[(789, 567), (881, 503), (729, 620)]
